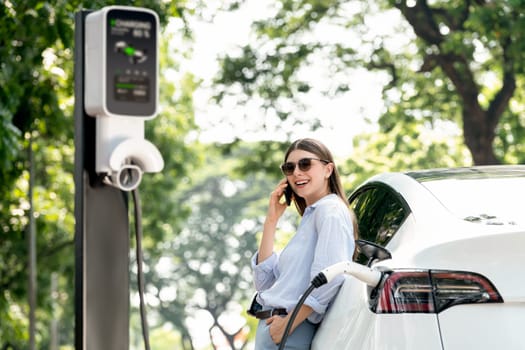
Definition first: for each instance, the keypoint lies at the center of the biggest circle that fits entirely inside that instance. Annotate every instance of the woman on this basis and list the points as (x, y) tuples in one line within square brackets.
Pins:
[(324, 237)]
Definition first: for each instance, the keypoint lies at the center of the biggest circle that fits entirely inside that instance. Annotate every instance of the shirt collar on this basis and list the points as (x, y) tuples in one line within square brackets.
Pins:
[(321, 200)]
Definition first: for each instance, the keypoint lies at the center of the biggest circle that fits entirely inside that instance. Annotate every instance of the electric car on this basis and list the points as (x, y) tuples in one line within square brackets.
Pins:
[(450, 244)]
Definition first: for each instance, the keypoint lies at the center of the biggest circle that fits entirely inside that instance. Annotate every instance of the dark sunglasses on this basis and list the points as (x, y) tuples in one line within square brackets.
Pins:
[(304, 164)]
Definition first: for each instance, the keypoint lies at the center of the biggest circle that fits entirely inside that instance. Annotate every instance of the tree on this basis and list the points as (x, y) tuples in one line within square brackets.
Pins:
[(449, 33), (460, 62), (205, 270), (36, 103)]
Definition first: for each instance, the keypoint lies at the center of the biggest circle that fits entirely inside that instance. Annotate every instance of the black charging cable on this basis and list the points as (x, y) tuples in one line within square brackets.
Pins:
[(316, 282), (140, 273)]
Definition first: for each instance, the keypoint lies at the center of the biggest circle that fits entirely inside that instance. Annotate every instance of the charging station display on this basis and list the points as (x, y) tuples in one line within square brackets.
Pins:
[(131, 62)]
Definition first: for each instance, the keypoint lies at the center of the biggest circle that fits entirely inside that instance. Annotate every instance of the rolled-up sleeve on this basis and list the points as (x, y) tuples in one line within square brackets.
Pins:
[(265, 273), (335, 243)]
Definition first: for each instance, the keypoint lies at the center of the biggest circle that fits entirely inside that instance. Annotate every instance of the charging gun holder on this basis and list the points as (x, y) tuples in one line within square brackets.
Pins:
[(121, 91)]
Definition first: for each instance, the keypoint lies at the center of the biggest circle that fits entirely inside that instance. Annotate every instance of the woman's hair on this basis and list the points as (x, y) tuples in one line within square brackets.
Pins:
[(320, 150)]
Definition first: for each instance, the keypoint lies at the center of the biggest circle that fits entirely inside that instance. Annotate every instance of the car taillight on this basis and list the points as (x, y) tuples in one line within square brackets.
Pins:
[(433, 291)]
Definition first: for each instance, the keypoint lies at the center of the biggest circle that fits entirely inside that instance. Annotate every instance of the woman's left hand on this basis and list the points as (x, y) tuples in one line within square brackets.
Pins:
[(278, 323), (277, 327)]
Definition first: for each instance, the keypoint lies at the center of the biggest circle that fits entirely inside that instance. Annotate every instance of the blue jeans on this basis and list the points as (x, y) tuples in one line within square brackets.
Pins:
[(300, 339)]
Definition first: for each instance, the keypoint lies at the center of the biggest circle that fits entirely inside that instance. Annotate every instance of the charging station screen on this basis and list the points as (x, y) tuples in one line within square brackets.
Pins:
[(131, 62)]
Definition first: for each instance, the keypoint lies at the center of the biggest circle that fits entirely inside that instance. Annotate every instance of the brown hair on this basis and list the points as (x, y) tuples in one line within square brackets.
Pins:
[(320, 150)]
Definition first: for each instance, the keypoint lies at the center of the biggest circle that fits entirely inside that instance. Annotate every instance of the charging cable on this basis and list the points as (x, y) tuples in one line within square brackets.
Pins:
[(364, 273), (140, 273)]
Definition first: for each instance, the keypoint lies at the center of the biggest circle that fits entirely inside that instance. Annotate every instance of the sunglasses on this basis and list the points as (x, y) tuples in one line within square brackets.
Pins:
[(304, 164)]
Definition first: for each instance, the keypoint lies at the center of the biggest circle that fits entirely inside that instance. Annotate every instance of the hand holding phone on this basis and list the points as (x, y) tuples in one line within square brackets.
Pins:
[(288, 193)]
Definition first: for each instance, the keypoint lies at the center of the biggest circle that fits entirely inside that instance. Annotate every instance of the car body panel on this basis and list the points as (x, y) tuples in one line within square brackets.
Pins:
[(483, 255), (484, 326), (351, 325), (433, 236)]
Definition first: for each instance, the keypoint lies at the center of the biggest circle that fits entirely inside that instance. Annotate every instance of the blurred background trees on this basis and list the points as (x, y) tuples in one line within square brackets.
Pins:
[(446, 65), (451, 75), (36, 117)]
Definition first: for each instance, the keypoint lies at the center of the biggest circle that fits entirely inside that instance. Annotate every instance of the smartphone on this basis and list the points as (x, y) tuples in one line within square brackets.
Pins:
[(288, 192)]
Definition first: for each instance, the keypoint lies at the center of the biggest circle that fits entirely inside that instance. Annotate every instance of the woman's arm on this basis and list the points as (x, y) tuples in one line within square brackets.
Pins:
[(275, 210)]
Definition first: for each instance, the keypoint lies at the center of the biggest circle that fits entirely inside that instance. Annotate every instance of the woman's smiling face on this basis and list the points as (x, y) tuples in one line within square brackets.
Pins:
[(311, 184)]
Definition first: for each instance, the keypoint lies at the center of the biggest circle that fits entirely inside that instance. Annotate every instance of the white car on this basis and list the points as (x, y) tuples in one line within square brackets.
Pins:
[(451, 244)]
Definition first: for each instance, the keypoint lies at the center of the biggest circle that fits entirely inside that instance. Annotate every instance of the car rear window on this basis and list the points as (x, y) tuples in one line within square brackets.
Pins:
[(491, 201)]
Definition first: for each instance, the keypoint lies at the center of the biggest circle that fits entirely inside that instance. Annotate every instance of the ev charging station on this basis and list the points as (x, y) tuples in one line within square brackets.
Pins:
[(116, 92)]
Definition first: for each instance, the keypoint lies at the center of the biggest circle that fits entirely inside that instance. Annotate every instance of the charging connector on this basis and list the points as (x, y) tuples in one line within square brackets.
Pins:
[(365, 274)]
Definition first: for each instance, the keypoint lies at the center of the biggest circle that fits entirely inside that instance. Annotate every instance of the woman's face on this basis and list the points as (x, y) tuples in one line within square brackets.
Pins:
[(311, 184)]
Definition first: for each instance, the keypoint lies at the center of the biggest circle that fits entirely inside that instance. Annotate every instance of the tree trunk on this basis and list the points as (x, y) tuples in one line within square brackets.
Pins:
[(479, 125), (479, 137), (54, 341), (32, 288)]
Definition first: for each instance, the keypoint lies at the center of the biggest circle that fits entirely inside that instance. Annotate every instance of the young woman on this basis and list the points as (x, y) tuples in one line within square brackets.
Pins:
[(325, 236)]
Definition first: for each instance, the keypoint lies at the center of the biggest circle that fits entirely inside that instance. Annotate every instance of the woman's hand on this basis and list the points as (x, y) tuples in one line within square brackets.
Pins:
[(275, 209), (277, 327), (278, 323), (277, 206)]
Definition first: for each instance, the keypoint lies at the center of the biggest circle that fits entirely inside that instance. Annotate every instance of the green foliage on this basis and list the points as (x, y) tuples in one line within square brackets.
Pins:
[(457, 61), (206, 267), (461, 62), (414, 147), (169, 130), (263, 157), (270, 70), (36, 102)]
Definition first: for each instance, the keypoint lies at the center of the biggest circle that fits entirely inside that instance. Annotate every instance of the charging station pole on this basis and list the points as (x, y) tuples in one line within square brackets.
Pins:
[(116, 91), (101, 234)]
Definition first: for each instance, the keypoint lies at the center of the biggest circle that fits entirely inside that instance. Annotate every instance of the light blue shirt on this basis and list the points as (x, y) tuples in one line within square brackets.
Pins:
[(324, 237)]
